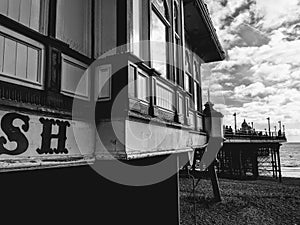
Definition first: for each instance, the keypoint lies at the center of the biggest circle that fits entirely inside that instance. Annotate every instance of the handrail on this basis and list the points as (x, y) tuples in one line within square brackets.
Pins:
[(261, 136)]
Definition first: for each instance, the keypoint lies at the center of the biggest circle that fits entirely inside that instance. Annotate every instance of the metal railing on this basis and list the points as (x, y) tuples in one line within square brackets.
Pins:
[(260, 135)]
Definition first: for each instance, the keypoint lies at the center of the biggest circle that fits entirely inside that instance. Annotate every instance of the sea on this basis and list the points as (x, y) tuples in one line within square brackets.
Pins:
[(290, 159)]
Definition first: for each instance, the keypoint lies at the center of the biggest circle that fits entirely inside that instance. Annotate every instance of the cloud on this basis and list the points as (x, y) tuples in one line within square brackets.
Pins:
[(261, 75), (253, 90), (272, 72), (279, 13)]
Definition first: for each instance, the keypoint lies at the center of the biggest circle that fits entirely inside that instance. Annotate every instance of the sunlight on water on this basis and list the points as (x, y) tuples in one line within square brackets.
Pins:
[(290, 159)]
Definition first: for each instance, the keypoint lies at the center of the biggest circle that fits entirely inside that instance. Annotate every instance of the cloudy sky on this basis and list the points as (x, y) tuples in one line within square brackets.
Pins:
[(261, 76)]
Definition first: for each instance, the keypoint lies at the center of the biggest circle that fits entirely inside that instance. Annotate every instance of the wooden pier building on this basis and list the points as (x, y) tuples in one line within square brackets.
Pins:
[(45, 48), (247, 153)]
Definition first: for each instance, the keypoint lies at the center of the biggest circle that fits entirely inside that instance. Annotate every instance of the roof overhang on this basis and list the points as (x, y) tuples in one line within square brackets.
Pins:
[(201, 31)]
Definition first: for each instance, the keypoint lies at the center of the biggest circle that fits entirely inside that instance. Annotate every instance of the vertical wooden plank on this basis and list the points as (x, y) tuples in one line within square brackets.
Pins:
[(214, 182), (21, 67), (54, 60), (255, 162), (32, 65), (14, 9), (9, 66), (4, 7), (121, 24), (1, 53), (275, 161), (272, 162), (35, 15), (25, 12), (52, 17)]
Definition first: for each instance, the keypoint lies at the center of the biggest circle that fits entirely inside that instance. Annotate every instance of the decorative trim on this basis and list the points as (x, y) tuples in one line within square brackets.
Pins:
[(102, 70), (66, 60)]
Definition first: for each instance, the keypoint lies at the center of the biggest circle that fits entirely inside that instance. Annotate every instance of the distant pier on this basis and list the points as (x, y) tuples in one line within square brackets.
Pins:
[(247, 153)]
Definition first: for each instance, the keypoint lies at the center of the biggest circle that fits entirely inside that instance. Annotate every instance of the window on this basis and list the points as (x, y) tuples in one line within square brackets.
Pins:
[(178, 44), (188, 84), (136, 23), (159, 36), (73, 24), (198, 97), (21, 59), (30, 13), (197, 84)]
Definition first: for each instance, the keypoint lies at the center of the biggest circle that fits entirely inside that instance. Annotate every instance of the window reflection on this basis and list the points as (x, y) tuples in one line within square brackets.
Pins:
[(158, 44)]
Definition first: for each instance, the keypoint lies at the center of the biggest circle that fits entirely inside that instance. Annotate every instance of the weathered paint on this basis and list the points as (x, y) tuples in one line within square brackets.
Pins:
[(24, 138), (127, 139)]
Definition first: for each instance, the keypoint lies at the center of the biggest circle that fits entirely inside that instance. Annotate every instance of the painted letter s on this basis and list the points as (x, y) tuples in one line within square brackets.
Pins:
[(14, 134)]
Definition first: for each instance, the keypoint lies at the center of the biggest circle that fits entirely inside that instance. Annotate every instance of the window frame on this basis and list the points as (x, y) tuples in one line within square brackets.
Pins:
[(29, 43), (178, 47), (197, 84), (87, 50), (25, 35), (168, 26)]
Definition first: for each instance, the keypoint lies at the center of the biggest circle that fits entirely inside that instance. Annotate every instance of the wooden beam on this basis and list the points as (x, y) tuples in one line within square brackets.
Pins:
[(214, 182), (279, 165)]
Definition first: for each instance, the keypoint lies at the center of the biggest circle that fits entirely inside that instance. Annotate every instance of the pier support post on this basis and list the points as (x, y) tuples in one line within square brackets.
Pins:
[(279, 165), (255, 163), (241, 166), (272, 161), (275, 161), (214, 182)]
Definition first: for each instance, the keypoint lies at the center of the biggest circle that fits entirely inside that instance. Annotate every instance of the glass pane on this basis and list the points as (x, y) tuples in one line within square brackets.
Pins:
[(136, 27), (187, 82), (188, 63), (176, 18), (196, 96), (32, 65), (9, 66), (73, 24), (159, 45), (161, 6), (20, 60), (21, 64)]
